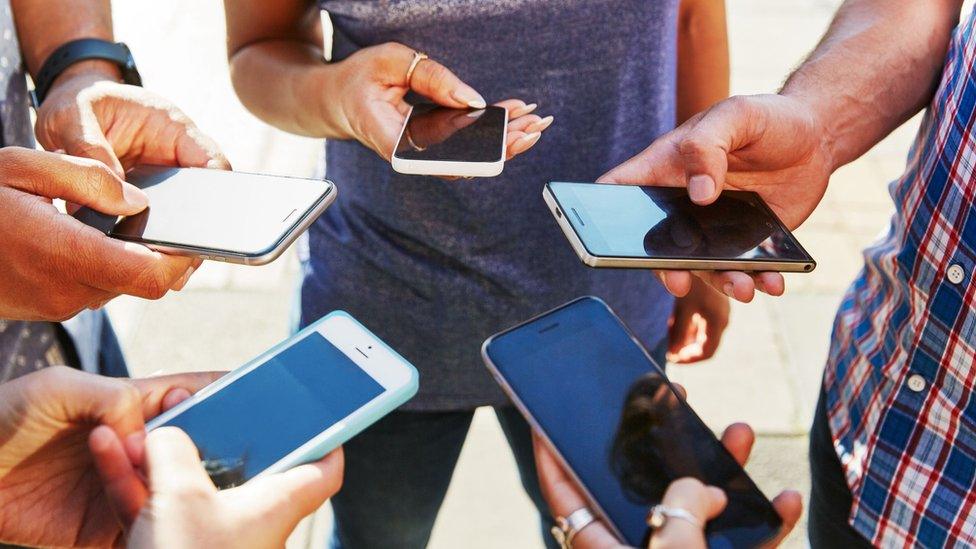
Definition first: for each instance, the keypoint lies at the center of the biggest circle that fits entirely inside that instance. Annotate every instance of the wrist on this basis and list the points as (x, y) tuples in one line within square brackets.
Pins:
[(329, 119), (825, 126), (89, 70)]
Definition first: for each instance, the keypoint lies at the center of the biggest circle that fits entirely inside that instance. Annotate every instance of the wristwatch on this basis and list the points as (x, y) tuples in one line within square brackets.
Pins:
[(82, 50)]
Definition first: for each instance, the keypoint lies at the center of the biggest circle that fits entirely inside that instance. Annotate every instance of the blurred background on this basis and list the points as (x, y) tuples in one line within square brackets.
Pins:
[(767, 371)]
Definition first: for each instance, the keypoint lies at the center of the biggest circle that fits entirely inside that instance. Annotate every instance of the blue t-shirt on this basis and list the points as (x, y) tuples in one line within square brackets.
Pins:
[(434, 267)]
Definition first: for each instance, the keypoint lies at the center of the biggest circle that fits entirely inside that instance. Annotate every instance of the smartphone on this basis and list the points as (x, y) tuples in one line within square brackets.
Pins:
[(612, 418), (642, 227), (217, 215), (296, 402), (442, 141)]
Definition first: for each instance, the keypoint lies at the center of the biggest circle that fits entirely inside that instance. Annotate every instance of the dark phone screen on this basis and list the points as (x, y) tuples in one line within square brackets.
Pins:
[(275, 408), (663, 223), (217, 210), (453, 135), (617, 422)]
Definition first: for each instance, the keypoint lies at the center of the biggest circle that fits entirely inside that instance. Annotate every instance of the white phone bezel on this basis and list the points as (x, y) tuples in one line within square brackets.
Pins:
[(445, 168), (365, 350)]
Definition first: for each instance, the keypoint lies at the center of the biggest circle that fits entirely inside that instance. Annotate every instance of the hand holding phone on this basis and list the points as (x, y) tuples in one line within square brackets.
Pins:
[(296, 402), (237, 217), (616, 424)]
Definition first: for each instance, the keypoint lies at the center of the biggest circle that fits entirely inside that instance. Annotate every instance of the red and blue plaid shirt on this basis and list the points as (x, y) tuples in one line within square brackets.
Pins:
[(901, 377)]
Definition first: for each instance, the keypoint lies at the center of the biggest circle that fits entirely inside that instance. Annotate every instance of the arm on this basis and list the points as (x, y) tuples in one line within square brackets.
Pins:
[(866, 77), (703, 56), (278, 72)]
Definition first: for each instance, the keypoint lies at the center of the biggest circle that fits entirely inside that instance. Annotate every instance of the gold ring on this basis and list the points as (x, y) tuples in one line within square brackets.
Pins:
[(417, 58)]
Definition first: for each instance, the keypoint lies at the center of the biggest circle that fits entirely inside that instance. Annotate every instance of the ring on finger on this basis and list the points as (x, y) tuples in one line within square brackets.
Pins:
[(417, 58)]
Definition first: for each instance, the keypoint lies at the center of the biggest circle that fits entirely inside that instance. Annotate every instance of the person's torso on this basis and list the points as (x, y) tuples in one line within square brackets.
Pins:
[(901, 372), (439, 264)]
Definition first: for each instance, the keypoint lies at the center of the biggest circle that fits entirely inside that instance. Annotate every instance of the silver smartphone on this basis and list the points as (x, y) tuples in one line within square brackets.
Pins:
[(218, 215), (617, 425), (630, 226)]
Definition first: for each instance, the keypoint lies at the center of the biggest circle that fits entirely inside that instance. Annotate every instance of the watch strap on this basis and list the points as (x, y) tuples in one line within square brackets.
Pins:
[(82, 50)]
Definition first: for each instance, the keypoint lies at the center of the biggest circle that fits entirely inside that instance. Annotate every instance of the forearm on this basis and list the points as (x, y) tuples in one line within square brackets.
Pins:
[(703, 57), (286, 84), (875, 68), (44, 25)]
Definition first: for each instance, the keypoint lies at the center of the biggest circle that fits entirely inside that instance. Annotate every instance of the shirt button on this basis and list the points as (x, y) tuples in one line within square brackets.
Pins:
[(956, 273), (916, 383)]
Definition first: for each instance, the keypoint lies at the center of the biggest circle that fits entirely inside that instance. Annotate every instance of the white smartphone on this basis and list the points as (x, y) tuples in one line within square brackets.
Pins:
[(442, 141), (644, 227), (296, 402), (218, 215)]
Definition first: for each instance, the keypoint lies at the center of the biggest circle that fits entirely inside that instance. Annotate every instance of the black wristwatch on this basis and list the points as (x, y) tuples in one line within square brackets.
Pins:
[(83, 50)]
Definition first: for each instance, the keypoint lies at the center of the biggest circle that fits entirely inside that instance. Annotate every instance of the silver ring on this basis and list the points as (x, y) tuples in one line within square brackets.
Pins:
[(660, 514), (566, 529)]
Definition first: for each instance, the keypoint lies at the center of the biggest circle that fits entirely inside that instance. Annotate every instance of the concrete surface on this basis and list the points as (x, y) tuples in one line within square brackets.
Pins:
[(766, 373)]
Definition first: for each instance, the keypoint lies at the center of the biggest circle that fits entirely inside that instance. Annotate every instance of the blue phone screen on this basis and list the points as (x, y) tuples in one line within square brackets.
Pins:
[(269, 412), (615, 419)]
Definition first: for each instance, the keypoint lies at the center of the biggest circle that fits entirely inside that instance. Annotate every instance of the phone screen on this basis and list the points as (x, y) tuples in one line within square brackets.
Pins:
[(443, 134), (663, 223), (272, 410), (216, 210), (615, 419)]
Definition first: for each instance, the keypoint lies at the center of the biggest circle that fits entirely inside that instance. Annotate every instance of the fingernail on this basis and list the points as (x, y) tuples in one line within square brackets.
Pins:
[(134, 196), (530, 137), (542, 124), (729, 289), (701, 188), (525, 110), (469, 98)]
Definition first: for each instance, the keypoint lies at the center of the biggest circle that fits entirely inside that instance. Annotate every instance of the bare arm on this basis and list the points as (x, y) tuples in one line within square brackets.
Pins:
[(703, 56), (43, 25), (275, 53), (875, 68)]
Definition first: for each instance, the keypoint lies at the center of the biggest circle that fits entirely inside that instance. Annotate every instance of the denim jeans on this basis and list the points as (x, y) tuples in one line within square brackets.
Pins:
[(398, 471)]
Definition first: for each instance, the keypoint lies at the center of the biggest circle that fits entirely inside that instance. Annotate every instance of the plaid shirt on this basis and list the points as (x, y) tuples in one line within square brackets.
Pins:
[(901, 374)]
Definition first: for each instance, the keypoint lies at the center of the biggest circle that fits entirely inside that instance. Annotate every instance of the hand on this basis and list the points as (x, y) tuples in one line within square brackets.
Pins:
[(697, 324), (51, 265), (706, 503), (370, 105), (50, 493), (769, 144), (121, 126), (182, 508)]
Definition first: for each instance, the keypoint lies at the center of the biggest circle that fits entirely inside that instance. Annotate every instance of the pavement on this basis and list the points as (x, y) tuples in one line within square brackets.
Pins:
[(767, 371)]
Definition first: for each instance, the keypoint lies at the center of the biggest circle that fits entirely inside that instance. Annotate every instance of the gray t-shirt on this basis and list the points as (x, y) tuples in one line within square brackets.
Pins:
[(434, 267)]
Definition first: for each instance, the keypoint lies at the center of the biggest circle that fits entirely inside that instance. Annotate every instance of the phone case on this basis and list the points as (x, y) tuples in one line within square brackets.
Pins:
[(327, 441)]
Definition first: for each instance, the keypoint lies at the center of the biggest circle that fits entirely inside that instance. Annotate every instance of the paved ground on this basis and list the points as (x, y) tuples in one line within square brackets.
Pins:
[(767, 371)]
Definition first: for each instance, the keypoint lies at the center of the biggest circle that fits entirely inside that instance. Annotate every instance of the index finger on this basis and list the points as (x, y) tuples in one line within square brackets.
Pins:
[(155, 389)]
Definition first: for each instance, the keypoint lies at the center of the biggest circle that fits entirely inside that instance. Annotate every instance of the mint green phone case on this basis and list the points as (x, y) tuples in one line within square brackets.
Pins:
[(319, 446)]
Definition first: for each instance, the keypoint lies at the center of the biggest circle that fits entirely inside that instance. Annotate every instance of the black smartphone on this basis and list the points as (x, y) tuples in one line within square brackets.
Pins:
[(219, 215), (443, 141), (612, 418), (644, 227)]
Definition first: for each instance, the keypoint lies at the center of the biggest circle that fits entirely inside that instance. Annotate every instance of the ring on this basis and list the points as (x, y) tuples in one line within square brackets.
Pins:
[(659, 515), (566, 529), (417, 58)]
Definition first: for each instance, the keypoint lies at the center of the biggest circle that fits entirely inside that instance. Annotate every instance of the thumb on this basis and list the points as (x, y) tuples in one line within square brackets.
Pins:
[(437, 82), (77, 180), (173, 462), (294, 494)]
